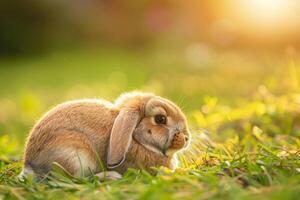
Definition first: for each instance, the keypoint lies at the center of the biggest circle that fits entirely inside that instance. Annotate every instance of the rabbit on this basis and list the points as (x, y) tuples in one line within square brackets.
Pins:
[(95, 137)]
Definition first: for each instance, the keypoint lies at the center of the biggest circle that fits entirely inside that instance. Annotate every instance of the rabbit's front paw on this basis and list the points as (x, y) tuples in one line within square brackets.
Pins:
[(108, 175)]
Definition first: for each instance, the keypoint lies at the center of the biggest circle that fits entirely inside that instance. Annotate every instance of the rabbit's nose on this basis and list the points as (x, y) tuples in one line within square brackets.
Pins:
[(186, 138), (178, 141)]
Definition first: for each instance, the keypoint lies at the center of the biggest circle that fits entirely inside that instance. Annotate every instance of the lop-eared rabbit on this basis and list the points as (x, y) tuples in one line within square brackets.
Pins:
[(92, 136)]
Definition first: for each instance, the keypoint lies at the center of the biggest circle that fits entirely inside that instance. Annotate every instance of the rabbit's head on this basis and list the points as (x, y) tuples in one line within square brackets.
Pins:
[(152, 121)]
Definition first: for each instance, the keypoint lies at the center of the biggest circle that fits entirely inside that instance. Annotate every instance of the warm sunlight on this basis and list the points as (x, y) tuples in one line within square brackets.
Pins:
[(176, 100), (267, 17)]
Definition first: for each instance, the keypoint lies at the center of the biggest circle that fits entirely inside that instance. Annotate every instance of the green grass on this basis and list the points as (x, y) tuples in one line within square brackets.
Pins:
[(243, 111)]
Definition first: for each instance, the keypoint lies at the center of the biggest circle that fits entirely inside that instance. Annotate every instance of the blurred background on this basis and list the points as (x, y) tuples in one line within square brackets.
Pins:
[(31, 27), (198, 53)]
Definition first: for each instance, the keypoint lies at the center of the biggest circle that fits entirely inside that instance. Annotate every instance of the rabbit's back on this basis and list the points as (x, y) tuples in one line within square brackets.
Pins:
[(74, 134)]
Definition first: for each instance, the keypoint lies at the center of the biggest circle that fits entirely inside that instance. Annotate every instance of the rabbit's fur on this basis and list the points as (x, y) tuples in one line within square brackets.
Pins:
[(90, 136)]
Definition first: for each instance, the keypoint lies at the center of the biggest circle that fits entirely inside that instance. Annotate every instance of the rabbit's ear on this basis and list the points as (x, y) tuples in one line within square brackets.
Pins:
[(121, 136)]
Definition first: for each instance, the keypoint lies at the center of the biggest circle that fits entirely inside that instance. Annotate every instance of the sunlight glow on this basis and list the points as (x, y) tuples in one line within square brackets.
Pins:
[(266, 16), (267, 11)]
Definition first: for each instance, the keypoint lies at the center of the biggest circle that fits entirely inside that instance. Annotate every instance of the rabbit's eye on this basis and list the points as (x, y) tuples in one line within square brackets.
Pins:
[(160, 119)]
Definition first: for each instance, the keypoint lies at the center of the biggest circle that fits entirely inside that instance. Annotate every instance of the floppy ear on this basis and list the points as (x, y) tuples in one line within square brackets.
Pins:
[(121, 136)]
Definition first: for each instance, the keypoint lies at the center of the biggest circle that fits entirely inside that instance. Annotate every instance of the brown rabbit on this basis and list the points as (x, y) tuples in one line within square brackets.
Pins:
[(86, 137)]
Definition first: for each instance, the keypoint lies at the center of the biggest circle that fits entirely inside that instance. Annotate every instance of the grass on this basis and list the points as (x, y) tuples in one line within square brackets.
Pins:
[(243, 110)]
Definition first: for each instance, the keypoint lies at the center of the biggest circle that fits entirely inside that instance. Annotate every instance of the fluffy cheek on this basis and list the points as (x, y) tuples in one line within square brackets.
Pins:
[(159, 131), (152, 129), (178, 141), (150, 134)]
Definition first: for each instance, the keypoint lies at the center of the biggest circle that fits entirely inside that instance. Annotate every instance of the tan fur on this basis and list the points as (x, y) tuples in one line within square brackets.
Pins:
[(178, 141), (77, 135)]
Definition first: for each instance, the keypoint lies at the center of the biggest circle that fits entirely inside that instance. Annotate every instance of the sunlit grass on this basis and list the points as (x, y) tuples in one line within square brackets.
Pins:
[(243, 112)]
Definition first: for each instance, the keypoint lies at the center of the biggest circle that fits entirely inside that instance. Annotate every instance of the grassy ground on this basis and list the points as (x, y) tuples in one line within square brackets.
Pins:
[(243, 110)]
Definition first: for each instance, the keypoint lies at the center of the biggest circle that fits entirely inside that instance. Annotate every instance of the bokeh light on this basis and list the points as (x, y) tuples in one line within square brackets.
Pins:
[(267, 17)]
